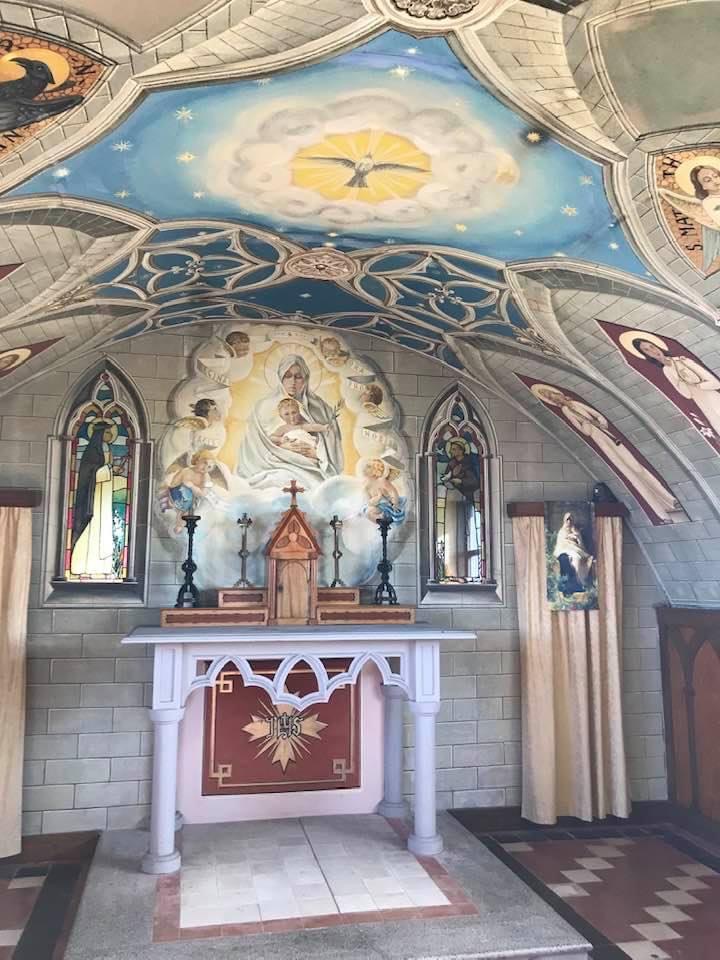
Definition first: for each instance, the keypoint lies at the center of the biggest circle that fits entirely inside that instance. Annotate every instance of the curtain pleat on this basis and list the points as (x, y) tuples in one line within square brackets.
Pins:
[(570, 663), (15, 552)]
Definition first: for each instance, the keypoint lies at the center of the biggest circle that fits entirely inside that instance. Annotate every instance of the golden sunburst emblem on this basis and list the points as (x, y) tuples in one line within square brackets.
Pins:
[(367, 165), (284, 731)]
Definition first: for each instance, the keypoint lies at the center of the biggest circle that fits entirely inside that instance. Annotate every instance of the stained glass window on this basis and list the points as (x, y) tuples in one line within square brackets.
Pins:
[(101, 471), (458, 452)]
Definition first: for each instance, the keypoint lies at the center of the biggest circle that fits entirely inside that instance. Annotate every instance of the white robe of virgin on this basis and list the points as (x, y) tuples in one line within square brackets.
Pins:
[(93, 552), (263, 463)]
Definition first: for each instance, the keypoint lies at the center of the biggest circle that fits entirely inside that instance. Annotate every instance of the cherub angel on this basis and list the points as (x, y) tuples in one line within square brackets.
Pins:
[(190, 479), (203, 430), (703, 208)]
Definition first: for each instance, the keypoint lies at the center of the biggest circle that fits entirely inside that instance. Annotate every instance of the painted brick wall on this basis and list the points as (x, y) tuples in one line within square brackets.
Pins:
[(89, 742)]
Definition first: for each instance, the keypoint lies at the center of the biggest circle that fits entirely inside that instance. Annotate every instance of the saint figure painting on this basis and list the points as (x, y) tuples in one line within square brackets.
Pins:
[(621, 455), (678, 373), (570, 556)]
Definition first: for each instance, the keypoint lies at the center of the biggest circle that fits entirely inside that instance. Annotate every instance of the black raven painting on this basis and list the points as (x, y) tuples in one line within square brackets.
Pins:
[(366, 165), (18, 106)]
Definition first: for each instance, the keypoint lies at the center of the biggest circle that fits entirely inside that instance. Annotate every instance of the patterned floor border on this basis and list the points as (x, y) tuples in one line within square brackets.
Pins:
[(166, 926), (603, 947)]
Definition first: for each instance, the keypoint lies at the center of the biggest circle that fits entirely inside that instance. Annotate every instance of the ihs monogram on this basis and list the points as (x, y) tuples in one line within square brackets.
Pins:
[(284, 731)]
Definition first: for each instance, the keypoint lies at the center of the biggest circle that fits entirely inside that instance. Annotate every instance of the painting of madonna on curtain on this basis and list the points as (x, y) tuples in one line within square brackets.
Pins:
[(570, 556)]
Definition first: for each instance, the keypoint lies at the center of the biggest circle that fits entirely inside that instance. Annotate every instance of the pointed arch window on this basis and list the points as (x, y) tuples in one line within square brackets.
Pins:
[(99, 463), (459, 484)]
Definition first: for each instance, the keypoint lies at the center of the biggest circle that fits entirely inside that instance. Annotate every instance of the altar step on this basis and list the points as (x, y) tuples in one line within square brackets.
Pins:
[(331, 614)]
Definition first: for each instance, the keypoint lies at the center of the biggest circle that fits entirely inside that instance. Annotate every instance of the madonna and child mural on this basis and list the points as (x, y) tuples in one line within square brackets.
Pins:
[(570, 556), (266, 405), (688, 182), (622, 456), (676, 372)]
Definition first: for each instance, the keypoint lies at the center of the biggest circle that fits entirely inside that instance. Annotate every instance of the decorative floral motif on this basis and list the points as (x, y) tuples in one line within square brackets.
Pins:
[(436, 9), (321, 265)]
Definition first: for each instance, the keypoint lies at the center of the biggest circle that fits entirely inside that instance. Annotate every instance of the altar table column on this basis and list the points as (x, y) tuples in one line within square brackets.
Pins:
[(425, 840), (392, 803), (163, 856)]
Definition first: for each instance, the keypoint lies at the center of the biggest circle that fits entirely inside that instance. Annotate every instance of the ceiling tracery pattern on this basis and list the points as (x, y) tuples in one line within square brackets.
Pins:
[(480, 181)]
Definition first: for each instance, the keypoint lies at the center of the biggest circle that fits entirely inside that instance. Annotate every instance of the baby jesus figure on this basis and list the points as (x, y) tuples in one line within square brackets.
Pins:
[(295, 432), (383, 496)]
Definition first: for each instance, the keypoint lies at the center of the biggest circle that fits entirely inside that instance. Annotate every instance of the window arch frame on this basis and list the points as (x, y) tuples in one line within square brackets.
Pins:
[(57, 588), (430, 590)]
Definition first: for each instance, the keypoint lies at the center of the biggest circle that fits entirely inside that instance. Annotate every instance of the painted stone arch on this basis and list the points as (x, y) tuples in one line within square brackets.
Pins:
[(459, 501), (99, 471)]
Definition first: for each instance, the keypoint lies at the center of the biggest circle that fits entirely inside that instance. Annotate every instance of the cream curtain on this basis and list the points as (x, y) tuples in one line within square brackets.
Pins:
[(15, 551), (570, 663)]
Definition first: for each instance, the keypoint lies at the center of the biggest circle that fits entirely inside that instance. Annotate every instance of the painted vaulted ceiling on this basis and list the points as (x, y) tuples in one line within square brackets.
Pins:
[(524, 191)]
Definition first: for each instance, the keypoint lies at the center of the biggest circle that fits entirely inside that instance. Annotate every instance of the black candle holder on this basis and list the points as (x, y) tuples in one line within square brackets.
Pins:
[(336, 524), (385, 592), (188, 594), (245, 523)]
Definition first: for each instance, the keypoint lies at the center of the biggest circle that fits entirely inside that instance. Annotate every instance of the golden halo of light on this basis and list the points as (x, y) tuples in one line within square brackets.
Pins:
[(113, 429), (18, 354), (543, 390), (59, 67), (282, 350), (682, 174), (459, 441), (627, 342), (330, 179)]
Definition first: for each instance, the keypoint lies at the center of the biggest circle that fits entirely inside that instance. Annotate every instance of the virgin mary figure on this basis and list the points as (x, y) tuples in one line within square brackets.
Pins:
[(291, 434)]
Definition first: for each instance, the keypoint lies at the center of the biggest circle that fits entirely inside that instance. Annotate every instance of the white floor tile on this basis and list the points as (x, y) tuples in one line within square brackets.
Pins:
[(668, 914), (19, 882), (317, 908), (8, 938), (581, 876), (279, 909), (242, 913), (687, 883), (567, 890), (433, 898), (678, 898), (356, 904), (644, 950), (697, 870), (393, 901), (383, 885), (606, 850), (594, 863), (656, 931)]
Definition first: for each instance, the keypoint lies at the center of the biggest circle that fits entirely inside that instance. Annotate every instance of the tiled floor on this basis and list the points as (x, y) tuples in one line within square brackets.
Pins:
[(652, 895), (38, 899), (290, 874)]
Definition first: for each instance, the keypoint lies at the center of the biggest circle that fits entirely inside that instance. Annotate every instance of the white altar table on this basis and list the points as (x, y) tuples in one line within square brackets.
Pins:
[(407, 657)]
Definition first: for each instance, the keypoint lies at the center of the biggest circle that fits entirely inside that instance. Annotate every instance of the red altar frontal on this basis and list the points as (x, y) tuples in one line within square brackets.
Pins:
[(252, 745)]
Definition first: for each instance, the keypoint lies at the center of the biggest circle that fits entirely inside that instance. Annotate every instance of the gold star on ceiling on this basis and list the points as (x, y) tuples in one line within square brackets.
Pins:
[(568, 211), (401, 72), (186, 157), (461, 227), (533, 136), (184, 114)]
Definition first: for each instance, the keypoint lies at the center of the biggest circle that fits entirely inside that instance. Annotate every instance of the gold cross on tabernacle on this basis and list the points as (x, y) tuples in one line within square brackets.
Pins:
[(293, 490)]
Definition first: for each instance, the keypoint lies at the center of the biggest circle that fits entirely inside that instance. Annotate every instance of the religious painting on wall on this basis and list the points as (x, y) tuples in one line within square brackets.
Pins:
[(570, 556), (100, 488), (678, 373), (457, 448), (252, 745), (688, 182), (16, 356), (623, 457), (265, 405), (40, 79)]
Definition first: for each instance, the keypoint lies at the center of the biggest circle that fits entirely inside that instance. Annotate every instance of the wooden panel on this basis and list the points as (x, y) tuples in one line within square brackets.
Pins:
[(214, 617), (678, 736), (328, 595), (252, 746), (706, 681), (242, 597), (337, 614), (19, 497)]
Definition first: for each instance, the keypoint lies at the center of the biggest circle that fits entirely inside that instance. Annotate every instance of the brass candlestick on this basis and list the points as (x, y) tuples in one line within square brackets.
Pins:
[(244, 523), (336, 524)]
